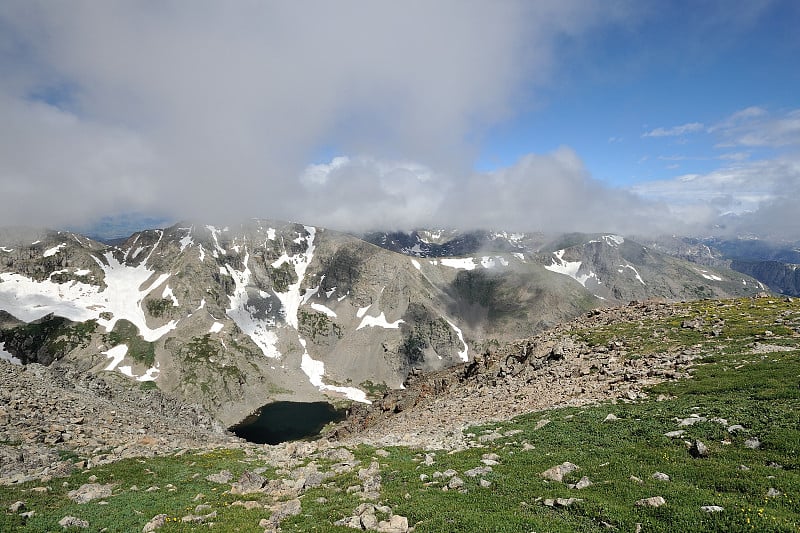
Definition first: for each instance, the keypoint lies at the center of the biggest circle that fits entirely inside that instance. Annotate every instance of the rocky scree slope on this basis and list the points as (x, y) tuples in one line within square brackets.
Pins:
[(574, 363), (50, 416)]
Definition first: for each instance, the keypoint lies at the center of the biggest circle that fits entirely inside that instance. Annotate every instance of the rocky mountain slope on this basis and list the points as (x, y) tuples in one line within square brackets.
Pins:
[(234, 318), (716, 451), (775, 264)]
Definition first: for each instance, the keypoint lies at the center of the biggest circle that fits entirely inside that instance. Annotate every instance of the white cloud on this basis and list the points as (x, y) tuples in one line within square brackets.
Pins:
[(213, 110), (549, 192), (762, 194), (756, 127), (675, 131)]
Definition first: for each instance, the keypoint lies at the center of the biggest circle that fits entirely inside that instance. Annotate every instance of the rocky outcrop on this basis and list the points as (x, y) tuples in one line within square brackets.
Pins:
[(552, 368)]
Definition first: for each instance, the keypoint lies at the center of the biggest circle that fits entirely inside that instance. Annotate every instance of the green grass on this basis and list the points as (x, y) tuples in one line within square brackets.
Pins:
[(125, 332), (760, 391), (129, 509)]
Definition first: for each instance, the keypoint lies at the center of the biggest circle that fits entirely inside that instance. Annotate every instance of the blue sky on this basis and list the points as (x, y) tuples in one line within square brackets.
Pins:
[(661, 71), (558, 115)]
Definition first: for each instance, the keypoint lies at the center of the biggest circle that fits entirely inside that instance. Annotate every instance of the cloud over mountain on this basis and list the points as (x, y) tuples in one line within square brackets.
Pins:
[(214, 110)]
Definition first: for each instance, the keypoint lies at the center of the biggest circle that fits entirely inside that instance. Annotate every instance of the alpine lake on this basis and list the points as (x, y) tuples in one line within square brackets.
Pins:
[(287, 421)]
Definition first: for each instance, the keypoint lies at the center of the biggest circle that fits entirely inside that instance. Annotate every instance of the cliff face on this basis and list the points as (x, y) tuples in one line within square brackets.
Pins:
[(780, 277)]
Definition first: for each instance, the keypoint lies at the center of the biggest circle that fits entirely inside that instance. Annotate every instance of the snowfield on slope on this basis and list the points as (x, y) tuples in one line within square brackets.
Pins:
[(29, 300), (569, 268)]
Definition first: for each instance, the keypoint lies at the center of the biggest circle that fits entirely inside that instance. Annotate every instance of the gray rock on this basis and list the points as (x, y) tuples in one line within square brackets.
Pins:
[(353, 522), (610, 417), (396, 524), (690, 421), (248, 483), (485, 483), (455, 482), (566, 502), (698, 449), (675, 434), (368, 520), (736, 428), (71, 521), (660, 476), (223, 476), (654, 501), (712, 508), (17, 506), (157, 522), (477, 471), (558, 472), (773, 493), (90, 491), (283, 510), (753, 443), (582, 484)]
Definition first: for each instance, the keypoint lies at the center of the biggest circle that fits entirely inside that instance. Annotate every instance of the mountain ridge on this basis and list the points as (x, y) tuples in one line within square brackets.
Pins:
[(236, 317)]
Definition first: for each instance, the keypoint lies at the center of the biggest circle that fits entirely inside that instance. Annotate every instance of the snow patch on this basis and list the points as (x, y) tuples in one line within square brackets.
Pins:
[(380, 322), (151, 374), (323, 309), (315, 370), (30, 300), (216, 327), (569, 268), (635, 272), (242, 314), (613, 240), (362, 311), (271, 234), (706, 274), (291, 298), (416, 264), (116, 354), (519, 256), (6, 250), (167, 293), (6, 356), (217, 248), (82, 272), (491, 262), (464, 263), (54, 250), (510, 237), (463, 354), (186, 240)]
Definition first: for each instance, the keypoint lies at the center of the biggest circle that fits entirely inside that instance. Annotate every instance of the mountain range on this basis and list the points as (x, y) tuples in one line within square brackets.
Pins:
[(233, 318)]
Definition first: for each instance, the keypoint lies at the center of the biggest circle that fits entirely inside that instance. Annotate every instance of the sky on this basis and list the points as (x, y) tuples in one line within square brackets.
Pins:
[(635, 117)]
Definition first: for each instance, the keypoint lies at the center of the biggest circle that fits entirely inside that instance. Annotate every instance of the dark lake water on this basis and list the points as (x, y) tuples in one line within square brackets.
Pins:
[(284, 421)]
